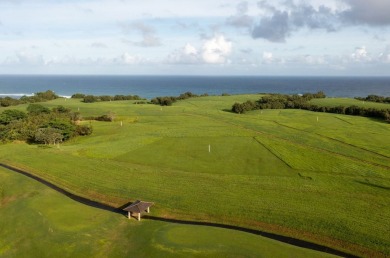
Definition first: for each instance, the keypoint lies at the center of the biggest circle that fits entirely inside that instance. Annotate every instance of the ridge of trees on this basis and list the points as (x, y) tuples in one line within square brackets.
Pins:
[(169, 100), (37, 97), (280, 101), (41, 125), (375, 98), (93, 98)]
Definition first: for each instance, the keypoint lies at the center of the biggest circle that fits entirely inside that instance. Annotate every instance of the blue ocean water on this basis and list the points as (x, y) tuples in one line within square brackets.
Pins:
[(152, 86)]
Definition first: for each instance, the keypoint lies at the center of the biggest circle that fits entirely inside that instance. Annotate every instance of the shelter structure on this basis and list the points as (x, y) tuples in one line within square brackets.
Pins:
[(137, 207)]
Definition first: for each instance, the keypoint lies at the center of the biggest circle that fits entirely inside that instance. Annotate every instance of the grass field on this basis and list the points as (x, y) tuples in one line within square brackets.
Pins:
[(275, 170), (36, 221), (331, 102)]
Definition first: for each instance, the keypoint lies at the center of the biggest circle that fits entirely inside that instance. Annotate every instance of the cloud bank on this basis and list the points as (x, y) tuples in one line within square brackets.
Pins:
[(280, 21)]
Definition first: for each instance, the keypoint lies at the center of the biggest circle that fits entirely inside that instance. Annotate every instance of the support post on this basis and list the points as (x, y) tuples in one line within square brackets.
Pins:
[(129, 214), (148, 210), (139, 216)]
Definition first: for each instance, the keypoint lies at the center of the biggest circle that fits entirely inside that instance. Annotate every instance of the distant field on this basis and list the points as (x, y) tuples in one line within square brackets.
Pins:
[(330, 102), (38, 222), (283, 171)]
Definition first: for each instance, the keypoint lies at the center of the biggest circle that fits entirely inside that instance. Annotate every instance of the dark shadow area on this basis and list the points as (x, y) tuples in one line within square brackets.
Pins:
[(373, 185), (228, 111), (284, 239), (119, 210)]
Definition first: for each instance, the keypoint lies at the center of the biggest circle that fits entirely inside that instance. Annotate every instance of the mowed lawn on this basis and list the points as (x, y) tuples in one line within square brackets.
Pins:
[(37, 222), (331, 102), (314, 176)]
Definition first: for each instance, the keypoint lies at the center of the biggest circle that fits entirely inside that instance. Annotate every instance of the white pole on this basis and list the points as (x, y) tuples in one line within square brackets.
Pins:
[(317, 118), (209, 148), (121, 123)]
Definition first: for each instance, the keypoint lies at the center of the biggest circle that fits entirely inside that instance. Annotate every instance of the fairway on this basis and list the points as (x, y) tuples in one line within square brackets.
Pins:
[(38, 222), (319, 177)]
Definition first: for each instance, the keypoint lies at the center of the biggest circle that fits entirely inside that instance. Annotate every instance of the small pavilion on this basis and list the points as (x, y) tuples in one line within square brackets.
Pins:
[(137, 207)]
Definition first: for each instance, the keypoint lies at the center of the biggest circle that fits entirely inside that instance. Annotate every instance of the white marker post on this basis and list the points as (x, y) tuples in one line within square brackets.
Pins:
[(121, 123), (209, 148), (317, 118)]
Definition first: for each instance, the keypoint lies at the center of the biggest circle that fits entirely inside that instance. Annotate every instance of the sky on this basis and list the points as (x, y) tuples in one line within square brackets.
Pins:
[(202, 37)]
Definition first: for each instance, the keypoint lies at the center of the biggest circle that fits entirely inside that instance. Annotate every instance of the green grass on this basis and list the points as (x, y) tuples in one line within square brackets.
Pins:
[(38, 222), (332, 102), (255, 176)]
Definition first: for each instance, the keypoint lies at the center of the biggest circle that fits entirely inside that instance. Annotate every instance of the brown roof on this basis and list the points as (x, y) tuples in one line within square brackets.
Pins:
[(138, 206)]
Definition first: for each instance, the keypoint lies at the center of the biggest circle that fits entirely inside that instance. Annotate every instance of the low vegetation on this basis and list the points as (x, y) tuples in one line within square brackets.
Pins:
[(37, 97), (41, 125), (321, 177), (169, 100), (375, 98), (279, 101), (92, 98)]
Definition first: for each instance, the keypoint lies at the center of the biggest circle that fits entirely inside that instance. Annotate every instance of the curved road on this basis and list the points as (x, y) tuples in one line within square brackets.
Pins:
[(95, 204)]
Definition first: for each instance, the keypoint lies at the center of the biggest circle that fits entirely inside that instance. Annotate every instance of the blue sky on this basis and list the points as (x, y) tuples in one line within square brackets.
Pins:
[(213, 37)]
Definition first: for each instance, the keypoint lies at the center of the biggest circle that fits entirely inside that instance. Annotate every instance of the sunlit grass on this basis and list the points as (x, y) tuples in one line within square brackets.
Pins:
[(324, 180)]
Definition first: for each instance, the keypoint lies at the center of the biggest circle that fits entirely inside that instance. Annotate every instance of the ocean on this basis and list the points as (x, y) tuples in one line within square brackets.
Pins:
[(153, 86)]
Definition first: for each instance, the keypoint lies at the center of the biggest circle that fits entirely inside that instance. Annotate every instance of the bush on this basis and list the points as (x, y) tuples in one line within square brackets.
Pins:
[(37, 109), (78, 96), (89, 99), (10, 115)]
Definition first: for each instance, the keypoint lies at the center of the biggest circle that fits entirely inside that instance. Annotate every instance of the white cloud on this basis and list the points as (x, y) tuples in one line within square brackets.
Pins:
[(360, 54), (99, 45), (148, 33), (127, 59), (186, 55), (216, 50), (268, 57), (24, 58)]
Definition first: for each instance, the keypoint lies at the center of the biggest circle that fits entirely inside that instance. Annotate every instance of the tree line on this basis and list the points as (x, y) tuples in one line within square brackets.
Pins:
[(92, 98), (37, 97), (375, 98), (280, 101), (41, 125), (169, 100)]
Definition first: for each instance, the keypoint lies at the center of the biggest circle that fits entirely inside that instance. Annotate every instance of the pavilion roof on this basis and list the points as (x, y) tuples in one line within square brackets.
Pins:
[(138, 206)]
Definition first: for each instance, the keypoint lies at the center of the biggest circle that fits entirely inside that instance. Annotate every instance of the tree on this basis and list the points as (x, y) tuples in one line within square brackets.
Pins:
[(10, 115), (37, 109), (47, 95), (90, 99), (61, 109), (238, 108), (48, 136)]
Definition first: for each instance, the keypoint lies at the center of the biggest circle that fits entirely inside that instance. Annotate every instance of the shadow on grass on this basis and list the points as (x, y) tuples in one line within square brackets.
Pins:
[(284, 239), (119, 210), (373, 185), (72, 196), (228, 111)]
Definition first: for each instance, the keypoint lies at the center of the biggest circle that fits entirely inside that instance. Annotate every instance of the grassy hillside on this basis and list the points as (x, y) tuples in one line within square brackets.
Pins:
[(331, 102), (282, 171), (38, 222)]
